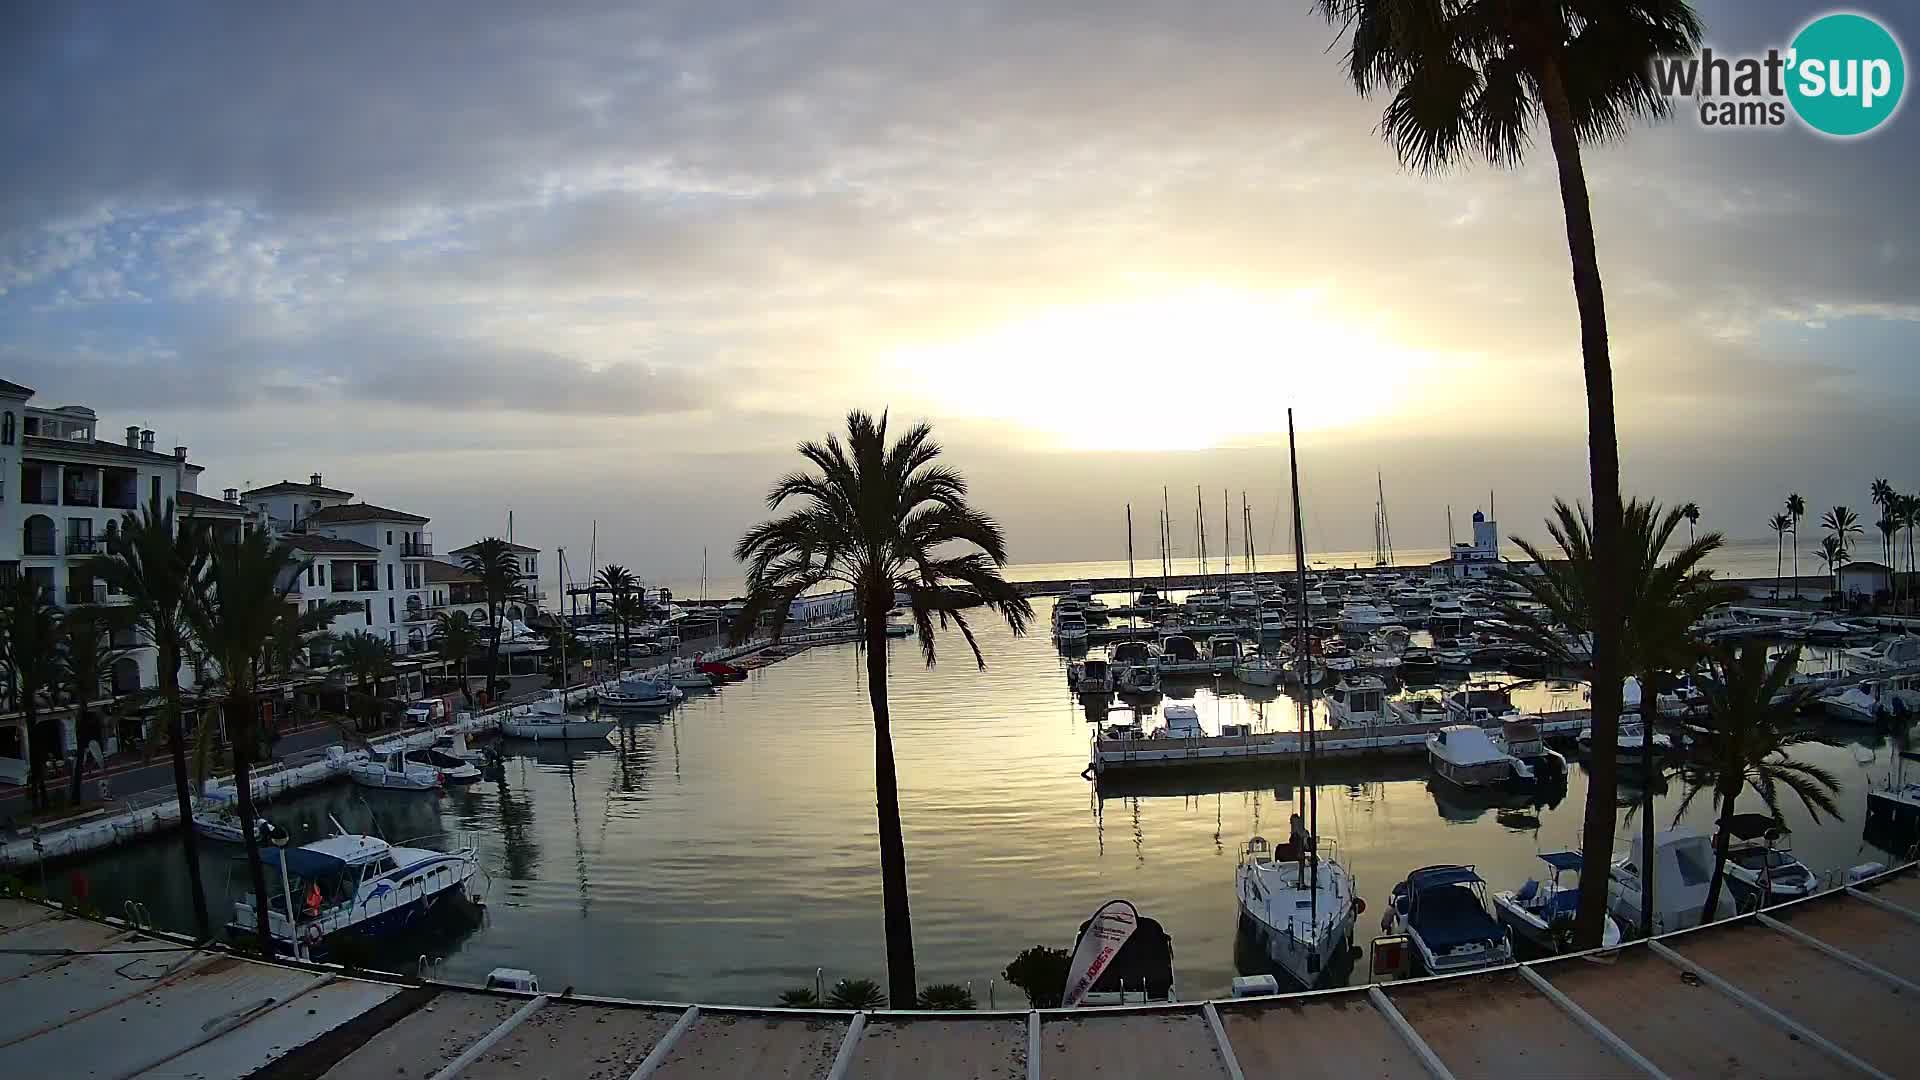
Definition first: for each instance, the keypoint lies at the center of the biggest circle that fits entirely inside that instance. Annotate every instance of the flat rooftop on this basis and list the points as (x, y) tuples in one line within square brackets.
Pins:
[(1823, 986)]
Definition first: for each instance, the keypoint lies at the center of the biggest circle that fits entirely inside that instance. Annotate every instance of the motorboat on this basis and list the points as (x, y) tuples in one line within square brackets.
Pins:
[(1683, 870), (1520, 737), (638, 692), (683, 675), (1180, 722), (1224, 651), (1070, 628), (899, 624), (1761, 868), (1681, 697), (1542, 913), (1081, 591), (390, 769), (519, 639), (1180, 656), (1898, 651), (1630, 742), (1896, 804), (1831, 631), (548, 719), (1243, 601), (1363, 619), (1465, 754), (1358, 701), (216, 816), (1138, 680), (1376, 659), (1871, 701), (454, 744), (1417, 662), (1302, 905), (1095, 678), (1808, 685), (1444, 911), (1257, 670), (353, 885), (717, 670), (452, 770), (1484, 705)]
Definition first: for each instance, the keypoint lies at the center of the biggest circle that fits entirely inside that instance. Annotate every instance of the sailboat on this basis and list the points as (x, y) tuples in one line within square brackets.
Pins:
[(1298, 895)]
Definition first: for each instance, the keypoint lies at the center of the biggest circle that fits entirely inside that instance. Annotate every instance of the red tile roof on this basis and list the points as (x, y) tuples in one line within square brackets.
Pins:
[(336, 515), (288, 487), (327, 545)]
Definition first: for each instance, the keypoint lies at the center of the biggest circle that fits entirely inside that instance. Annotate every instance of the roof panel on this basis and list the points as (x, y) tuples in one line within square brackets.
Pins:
[(1161, 1043), (765, 1045), (575, 1042), (276, 1032), (1497, 1024), (1334, 1037), (425, 1040), (893, 1048), (1881, 938)]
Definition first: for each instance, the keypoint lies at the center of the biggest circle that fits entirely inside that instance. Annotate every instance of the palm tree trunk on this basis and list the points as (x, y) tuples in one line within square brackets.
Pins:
[(80, 722), (1779, 552), (36, 763), (493, 648), (466, 688), (1719, 878), (901, 986), (1603, 452), (1796, 560), (240, 724), (1649, 709), (169, 661)]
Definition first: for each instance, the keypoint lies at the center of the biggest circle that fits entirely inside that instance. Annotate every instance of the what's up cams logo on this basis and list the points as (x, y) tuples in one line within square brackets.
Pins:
[(1843, 76)]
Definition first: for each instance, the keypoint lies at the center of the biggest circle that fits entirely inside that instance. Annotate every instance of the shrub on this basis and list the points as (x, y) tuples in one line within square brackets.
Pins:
[(948, 997), (857, 994), (1041, 973)]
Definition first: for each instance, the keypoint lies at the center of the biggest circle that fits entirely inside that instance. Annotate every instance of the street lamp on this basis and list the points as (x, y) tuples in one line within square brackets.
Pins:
[(278, 837)]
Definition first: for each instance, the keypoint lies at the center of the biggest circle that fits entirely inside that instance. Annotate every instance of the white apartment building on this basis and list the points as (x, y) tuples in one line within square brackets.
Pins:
[(373, 556), (62, 494)]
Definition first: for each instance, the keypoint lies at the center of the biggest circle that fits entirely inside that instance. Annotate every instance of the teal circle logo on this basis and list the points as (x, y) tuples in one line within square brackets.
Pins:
[(1847, 74)]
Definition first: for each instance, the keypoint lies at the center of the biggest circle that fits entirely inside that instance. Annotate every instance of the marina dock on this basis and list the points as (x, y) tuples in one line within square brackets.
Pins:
[(1819, 987), (1123, 755)]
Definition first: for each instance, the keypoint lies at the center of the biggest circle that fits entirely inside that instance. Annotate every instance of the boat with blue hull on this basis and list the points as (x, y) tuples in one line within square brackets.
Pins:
[(352, 886)]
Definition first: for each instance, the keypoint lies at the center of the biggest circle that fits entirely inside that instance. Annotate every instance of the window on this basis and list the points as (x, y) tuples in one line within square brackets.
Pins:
[(309, 575), (389, 565), (366, 608), (389, 537), (154, 491), (389, 602), (323, 573), (6, 430)]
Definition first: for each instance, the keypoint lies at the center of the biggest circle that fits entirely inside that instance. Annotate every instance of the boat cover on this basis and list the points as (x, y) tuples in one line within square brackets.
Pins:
[(1450, 915), (1561, 860)]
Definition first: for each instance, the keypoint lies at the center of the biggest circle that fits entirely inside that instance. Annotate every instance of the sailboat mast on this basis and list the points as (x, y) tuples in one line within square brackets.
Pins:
[(1306, 708), (1226, 542), (1166, 537), (1200, 531), (1133, 600), (1246, 530)]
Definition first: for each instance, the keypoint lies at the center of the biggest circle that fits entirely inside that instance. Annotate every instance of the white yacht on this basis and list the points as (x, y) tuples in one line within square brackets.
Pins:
[(1479, 704), (1630, 742), (1683, 870), (1542, 913), (451, 769), (1899, 651), (634, 691), (1070, 628), (1896, 804), (1359, 701), (354, 885), (1363, 619), (1094, 678), (1180, 656), (1872, 701), (1443, 910), (548, 719), (1257, 670), (1243, 601), (1761, 868), (1301, 904), (1180, 722), (1465, 755), (1224, 651), (216, 816), (390, 769)]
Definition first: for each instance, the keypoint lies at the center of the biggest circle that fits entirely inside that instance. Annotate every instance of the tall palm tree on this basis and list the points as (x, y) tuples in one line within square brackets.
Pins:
[(1744, 742), (157, 563), (629, 609), (1796, 509), (1909, 508), (1691, 512), (492, 561), (456, 638), (1779, 523), (368, 659), (1842, 526), (1883, 496), (250, 586), (1833, 555), (1471, 80), (31, 662), (1889, 528), (86, 641), (881, 519), (1662, 597), (619, 584)]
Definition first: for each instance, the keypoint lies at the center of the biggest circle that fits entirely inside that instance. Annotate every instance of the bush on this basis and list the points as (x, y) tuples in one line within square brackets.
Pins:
[(802, 998), (947, 997), (856, 994), (1040, 973)]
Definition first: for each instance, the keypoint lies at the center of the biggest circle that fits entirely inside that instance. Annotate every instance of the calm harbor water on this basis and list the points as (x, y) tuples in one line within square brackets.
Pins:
[(725, 853)]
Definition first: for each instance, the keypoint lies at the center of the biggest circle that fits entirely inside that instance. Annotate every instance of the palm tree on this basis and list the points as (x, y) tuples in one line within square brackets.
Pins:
[(1779, 523), (1796, 509), (628, 609), (1471, 80), (31, 662), (1662, 598), (1749, 728), (493, 562), (250, 587), (1889, 528), (1883, 496), (1909, 508), (881, 520), (619, 583), (368, 659), (456, 637), (1842, 526), (157, 564), (86, 640), (1691, 512), (1833, 555)]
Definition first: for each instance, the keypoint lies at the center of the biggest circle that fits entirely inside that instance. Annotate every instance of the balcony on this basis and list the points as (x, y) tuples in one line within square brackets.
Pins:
[(79, 495), (421, 548), (40, 496), (86, 545), (91, 592)]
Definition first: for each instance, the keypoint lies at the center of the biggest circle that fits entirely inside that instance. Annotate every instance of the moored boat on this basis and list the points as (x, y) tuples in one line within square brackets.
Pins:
[(353, 885), (637, 692), (1541, 913), (1444, 911), (1302, 904), (390, 769)]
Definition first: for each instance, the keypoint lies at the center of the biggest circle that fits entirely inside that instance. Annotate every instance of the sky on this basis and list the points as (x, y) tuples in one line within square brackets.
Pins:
[(608, 262)]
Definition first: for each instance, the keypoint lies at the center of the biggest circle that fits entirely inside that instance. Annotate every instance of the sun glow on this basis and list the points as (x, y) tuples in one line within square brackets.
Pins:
[(1181, 371)]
